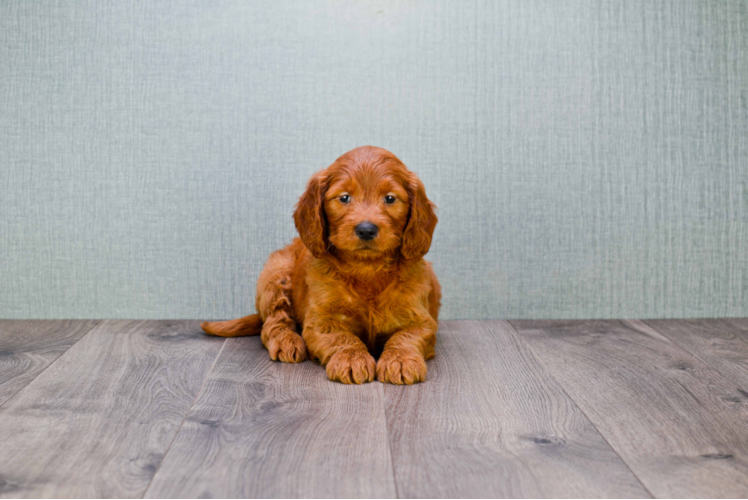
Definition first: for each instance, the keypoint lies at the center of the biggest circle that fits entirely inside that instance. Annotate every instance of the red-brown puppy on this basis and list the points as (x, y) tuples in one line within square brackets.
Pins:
[(356, 281)]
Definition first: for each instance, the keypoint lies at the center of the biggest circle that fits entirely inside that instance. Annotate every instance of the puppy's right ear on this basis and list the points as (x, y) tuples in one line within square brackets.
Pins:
[(310, 217)]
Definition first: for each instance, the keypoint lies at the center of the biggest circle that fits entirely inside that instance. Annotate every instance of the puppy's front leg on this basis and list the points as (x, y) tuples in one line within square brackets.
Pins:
[(403, 360), (335, 346)]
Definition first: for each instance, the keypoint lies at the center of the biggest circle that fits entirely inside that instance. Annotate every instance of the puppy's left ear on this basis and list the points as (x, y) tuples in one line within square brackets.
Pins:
[(309, 216), (421, 222)]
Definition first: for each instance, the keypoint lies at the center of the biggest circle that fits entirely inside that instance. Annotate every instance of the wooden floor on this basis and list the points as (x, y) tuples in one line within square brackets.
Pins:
[(510, 409)]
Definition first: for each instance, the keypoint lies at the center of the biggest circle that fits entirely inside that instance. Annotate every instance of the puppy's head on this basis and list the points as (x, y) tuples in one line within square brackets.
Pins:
[(364, 206)]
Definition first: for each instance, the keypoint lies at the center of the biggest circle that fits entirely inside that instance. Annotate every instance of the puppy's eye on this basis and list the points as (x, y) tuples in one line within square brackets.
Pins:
[(345, 198), (389, 199)]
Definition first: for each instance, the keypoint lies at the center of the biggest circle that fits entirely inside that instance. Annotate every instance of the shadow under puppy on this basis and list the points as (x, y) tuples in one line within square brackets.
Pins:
[(355, 283)]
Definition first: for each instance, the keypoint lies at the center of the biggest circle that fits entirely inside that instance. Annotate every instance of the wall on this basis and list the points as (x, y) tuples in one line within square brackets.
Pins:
[(589, 158)]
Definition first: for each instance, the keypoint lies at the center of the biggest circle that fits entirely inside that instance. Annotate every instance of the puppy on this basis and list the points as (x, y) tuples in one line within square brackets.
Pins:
[(355, 283)]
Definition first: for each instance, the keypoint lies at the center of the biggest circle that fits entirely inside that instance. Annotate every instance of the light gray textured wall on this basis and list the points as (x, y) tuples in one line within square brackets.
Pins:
[(590, 158)]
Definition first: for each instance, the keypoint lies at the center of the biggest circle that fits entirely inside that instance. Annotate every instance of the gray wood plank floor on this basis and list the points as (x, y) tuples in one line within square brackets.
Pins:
[(669, 415), (98, 421), (492, 421), (267, 429), (721, 344), (28, 347), (510, 409)]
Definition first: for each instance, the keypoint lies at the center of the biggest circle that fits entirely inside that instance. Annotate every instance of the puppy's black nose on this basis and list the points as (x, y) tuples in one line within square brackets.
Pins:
[(366, 231)]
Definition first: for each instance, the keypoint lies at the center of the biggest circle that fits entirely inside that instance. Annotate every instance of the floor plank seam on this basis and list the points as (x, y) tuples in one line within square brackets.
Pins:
[(95, 325), (686, 349), (186, 414), (550, 374), (389, 444)]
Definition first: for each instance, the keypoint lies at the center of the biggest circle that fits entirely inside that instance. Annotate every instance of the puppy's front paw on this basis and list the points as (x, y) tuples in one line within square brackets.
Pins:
[(351, 366), (288, 347), (401, 367)]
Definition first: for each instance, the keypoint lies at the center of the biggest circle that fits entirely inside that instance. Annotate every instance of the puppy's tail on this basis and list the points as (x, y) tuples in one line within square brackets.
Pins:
[(248, 325)]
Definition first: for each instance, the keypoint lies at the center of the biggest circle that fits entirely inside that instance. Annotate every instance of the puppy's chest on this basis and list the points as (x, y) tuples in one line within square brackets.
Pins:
[(374, 312)]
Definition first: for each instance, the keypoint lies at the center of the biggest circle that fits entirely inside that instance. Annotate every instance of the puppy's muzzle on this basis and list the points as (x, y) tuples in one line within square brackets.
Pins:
[(366, 231)]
